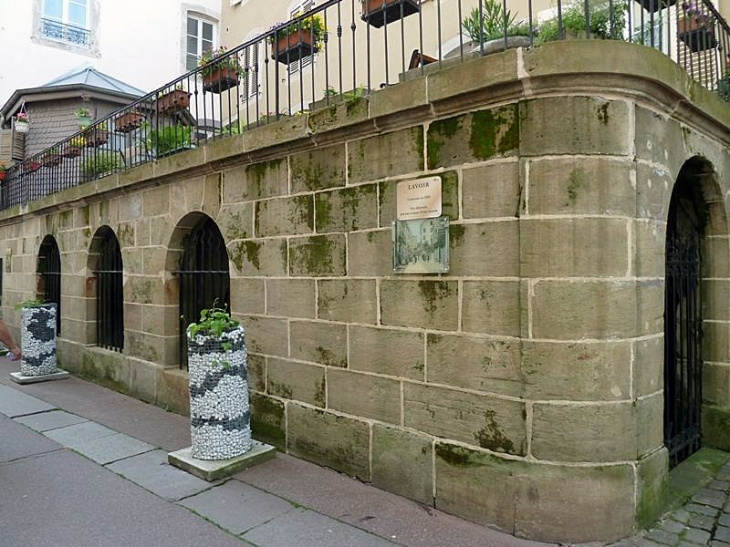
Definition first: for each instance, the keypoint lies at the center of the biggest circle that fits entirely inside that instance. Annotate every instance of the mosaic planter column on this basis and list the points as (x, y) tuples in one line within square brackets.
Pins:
[(38, 340), (219, 412)]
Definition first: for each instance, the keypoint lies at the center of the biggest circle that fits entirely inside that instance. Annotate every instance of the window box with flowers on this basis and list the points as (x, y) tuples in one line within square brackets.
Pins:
[(96, 137), (377, 13), (3, 171), (128, 121), (51, 157), (83, 117), (172, 100), (30, 166), (73, 147), (220, 70), (696, 28), (22, 123), (297, 40)]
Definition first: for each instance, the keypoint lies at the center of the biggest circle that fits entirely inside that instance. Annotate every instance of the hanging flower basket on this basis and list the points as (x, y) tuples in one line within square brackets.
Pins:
[(22, 125), (30, 166), (698, 35), (129, 121), (219, 410), (220, 79), (377, 13), (96, 137), (172, 101)]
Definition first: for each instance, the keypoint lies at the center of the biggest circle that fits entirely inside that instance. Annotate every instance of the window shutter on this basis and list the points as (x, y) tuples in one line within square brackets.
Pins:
[(17, 144)]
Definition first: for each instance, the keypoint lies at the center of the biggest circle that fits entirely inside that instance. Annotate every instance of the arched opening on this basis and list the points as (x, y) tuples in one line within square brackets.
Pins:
[(107, 267), (693, 204), (48, 270), (203, 276)]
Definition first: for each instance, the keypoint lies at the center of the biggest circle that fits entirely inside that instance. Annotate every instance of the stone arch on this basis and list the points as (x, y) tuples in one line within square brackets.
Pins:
[(104, 240), (698, 182), (48, 275), (182, 239)]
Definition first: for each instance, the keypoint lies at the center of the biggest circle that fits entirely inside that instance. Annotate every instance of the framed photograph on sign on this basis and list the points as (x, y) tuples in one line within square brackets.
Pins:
[(421, 246)]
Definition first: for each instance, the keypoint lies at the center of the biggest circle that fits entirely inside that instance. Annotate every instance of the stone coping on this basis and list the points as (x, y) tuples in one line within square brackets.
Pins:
[(588, 66)]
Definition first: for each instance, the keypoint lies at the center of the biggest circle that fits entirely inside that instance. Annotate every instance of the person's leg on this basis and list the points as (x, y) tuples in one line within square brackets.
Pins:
[(7, 339)]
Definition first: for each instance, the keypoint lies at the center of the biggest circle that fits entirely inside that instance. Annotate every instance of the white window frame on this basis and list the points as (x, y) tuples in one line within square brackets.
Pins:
[(201, 20), (65, 17)]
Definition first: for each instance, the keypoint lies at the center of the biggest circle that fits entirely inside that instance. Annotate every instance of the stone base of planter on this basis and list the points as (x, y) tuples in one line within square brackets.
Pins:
[(19, 378), (211, 470)]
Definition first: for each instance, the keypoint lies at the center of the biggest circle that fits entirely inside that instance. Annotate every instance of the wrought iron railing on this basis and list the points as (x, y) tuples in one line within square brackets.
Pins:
[(341, 50), (55, 30)]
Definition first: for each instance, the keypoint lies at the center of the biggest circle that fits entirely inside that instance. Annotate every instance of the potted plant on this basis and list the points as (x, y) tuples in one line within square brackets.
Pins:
[(3, 171), (31, 166), (38, 337), (73, 147), (100, 164), (381, 12), (696, 28), (172, 100), (51, 157), (128, 121), (169, 139), (83, 117), (607, 22), (299, 39), (218, 378), (489, 28), (95, 136), (22, 123), (220, 70)]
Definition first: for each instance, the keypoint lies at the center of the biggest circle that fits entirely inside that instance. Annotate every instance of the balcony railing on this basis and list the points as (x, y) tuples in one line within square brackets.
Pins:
[(340, 51), (55, 30)]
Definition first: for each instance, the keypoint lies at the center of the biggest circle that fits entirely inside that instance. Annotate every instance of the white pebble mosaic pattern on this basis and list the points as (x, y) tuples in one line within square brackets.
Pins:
[(38, 340), (219, 412)]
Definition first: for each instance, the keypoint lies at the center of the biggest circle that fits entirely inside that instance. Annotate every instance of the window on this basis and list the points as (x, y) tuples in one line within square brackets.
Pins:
[(299, 9), (66, 21), (109, 292), (200, 38)]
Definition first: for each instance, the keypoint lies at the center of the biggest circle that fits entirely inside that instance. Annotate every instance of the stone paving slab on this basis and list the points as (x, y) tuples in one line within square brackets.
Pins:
[(113, 448), (151, 471), (311, 530), (75, 436), (17, 441), (46, 421), (13, 403), (237, 507)]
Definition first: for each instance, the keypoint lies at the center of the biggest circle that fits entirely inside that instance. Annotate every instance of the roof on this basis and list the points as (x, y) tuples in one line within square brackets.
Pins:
[(88, 75)]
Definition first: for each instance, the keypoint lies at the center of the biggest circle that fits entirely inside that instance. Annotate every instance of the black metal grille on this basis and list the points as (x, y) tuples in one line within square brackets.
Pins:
[(49, 270), (203, 275), (109, 296), (683, 328)]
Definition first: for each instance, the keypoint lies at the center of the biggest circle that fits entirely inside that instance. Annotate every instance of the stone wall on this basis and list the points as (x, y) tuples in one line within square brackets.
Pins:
[(521, 390)]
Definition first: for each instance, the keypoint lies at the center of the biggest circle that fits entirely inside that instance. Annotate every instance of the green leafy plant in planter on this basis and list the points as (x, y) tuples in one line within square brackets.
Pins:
[(492, 23), (602, 16), (220, 70), (298, 39), (101, 163), (213, 322), (29, 303), (169, 139)]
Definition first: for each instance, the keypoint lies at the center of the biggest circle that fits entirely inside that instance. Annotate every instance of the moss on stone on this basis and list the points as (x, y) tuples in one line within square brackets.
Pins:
[(438, 132), (575, 181), (603, 113), (252, 250), (491, 437), (433, 291), (319, 392), (495, 131), (456, 234), (457, 456), (267, 420), (256, 174), (315, 256)]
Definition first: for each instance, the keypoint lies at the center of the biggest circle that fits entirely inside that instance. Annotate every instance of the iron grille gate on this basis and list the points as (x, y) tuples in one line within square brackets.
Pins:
[(683, 331), (49, 268), (109, 296), (203, 277)]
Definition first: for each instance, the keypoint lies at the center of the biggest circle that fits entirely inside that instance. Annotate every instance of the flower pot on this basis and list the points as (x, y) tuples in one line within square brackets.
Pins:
[(3, 174), (22, 127), (129, 121), (381, 12), (83, 121), (172, 101), (70, 151), (30, 166), (219, 79), (96, 137), (696, 35), (292, 47), (51, 160), (38, 340), (219, 410)]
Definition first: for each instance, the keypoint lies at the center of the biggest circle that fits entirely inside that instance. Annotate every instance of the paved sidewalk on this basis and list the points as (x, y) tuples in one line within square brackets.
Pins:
[(81, 466)]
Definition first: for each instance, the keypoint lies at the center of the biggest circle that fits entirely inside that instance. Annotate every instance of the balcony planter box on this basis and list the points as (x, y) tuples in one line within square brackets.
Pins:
[(220, 79), (696, 36), (380, 12), (71, 151), (96, 137), (30, 166), (653, 6), (219, 410), (129, 121), (292, 47), (51, 159), (38, 339), (172, 101)]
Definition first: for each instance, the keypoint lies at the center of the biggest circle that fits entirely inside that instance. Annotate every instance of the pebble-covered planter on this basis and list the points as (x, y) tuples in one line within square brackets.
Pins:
[(219, 412), (38, 340)]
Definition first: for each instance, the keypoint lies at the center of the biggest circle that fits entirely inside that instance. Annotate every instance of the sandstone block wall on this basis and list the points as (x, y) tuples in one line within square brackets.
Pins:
[(521, 390)]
